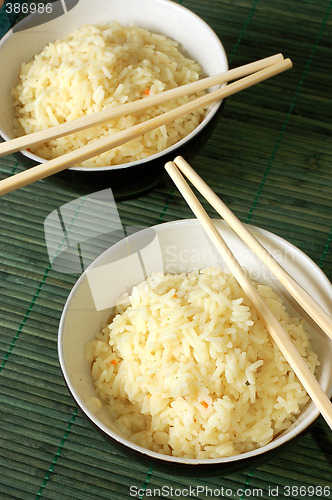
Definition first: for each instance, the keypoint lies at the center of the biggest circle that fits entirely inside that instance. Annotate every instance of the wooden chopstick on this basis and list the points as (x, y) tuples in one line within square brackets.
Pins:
[(106, 143), (20, 143), (315, 311), (278, 334)]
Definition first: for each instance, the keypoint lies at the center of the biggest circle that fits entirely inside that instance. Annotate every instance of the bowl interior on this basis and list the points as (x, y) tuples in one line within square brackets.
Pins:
[(162, 16), (176, 247)]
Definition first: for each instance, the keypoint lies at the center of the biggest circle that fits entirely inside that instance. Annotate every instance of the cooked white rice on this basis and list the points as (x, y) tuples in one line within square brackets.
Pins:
[(96, 67), (187, 368)]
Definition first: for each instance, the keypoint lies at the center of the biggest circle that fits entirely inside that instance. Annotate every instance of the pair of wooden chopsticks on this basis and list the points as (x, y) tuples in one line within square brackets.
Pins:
[(256, 72), (278, 334)]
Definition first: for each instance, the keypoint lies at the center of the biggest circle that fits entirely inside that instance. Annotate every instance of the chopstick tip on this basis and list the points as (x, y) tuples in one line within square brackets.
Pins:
[(288, 62), (168, 165), (178, 158)]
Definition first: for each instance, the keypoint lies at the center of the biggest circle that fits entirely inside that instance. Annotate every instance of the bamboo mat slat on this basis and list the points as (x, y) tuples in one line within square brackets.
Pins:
[(269, 158)]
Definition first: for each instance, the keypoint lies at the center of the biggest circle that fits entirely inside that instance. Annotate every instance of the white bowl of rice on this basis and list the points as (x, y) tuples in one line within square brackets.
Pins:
[(166, 356), (101, 54)]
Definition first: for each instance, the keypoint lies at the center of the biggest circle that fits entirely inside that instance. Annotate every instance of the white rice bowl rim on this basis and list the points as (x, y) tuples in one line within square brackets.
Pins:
[(210, 112), (288, 435)]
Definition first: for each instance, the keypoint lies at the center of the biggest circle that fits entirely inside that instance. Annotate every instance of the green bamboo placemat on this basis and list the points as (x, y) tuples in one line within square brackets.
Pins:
[(269, 158)]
